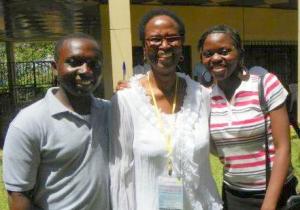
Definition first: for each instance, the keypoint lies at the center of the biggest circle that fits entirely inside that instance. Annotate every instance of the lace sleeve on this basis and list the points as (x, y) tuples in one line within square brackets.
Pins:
[(121, 155)]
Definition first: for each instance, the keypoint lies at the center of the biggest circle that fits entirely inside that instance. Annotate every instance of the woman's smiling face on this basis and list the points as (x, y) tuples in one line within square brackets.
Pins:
[(220, 56), (163, 43)]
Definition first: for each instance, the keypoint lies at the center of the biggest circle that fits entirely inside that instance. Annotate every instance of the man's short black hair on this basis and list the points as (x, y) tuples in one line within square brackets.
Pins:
[(77, 35), (159, 12)]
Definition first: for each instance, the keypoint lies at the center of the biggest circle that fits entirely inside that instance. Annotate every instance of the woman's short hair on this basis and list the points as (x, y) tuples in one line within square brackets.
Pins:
[(159, 12)]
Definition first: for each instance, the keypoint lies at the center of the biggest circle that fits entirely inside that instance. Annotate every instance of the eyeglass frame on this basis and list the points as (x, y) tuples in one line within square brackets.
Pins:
[(178, 39)]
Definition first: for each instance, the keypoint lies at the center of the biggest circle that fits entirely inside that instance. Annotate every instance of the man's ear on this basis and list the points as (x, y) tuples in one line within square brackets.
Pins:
[(54, 67)]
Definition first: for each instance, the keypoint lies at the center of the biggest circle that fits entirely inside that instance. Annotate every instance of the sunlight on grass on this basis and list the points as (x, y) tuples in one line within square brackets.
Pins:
[(3, 195), (296, 156), (217, 170)]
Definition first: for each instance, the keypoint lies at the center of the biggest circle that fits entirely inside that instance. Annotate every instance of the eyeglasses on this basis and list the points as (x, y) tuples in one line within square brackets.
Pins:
[(171, 40), (221, 51)]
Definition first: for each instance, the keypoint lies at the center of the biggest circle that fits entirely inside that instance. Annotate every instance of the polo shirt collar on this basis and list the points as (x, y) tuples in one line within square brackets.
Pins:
[(216, 91), (56, 107)]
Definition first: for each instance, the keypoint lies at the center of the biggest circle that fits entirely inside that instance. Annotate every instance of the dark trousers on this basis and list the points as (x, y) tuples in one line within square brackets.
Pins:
[(237, 199)]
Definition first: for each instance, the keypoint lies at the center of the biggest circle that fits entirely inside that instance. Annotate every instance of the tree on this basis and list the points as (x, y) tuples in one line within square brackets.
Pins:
[(29, 51), (2, 52), (33, 51), (28, 70)]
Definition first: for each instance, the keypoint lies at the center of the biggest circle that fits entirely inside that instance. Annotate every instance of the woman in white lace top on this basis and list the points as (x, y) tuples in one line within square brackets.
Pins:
[(160, 140)]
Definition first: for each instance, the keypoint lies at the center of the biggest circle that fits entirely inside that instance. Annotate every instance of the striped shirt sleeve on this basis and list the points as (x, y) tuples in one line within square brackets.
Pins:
[(274, 91)]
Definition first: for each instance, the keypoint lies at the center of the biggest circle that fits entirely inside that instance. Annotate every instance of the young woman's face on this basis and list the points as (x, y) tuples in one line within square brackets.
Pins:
[(220, 56), (163, 44)]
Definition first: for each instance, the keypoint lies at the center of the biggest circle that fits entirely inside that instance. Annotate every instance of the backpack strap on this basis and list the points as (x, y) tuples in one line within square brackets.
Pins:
[(261, 95), (264, 109)]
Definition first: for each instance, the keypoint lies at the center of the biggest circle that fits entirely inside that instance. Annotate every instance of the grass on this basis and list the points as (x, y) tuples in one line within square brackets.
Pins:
[(215, 164), (3, 195), (296, 156)]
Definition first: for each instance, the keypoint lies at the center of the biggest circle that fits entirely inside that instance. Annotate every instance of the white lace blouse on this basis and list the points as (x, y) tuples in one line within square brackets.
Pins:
[(139, 155)]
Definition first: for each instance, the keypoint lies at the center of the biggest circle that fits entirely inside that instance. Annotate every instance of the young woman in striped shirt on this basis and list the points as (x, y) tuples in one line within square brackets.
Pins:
[(237, 125)]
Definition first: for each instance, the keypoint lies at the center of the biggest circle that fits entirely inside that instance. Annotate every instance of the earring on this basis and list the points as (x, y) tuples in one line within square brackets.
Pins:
[(181, 58), (144, 60), (243, 73), (242, 64)]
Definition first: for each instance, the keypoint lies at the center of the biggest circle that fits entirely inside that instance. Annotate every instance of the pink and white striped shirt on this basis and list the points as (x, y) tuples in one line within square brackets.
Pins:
[(237, 130)]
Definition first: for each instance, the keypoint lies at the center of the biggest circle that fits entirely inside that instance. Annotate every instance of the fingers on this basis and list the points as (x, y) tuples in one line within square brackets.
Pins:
[(122, 84)]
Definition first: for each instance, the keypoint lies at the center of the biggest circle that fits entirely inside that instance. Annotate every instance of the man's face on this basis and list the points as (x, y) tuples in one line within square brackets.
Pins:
[(79, 66)]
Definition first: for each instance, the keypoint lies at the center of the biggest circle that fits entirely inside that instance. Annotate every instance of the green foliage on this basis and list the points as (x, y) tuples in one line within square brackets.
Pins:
[(38, 73), (2, 52), (29, 73), (296, 156), (33, 51), (29, 51), (3, 195)]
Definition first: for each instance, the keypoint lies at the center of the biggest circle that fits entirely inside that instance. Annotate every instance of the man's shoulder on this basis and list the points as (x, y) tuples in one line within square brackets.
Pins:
[(100, 102), (31, 119), (258, 70), (198, 69), (199, 66), (34, 110)]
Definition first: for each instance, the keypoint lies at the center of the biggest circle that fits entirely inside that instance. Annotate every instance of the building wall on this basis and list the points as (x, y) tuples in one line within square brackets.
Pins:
[(254, 24), (105, 44)]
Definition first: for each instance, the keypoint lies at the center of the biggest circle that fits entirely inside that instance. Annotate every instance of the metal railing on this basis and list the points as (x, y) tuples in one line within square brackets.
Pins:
[(277, 57), (31, 80)]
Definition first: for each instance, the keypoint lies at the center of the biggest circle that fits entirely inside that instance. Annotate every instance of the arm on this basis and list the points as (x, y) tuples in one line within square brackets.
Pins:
[(121, 156), (19, 200), (280, 132), (275, 96), (20, 164)]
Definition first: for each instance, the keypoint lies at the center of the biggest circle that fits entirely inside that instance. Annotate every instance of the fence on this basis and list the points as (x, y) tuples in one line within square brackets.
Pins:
[(32, 79), (278, 57)]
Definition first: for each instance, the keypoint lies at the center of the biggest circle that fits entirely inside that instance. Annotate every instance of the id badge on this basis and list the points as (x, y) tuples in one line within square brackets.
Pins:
[(170, 193)]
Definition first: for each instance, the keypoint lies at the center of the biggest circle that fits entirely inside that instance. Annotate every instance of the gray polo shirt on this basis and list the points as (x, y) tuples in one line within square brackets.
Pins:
[(60, 155)]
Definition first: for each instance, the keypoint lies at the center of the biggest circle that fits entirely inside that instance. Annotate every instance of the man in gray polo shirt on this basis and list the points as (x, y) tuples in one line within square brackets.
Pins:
[(56, 150)]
